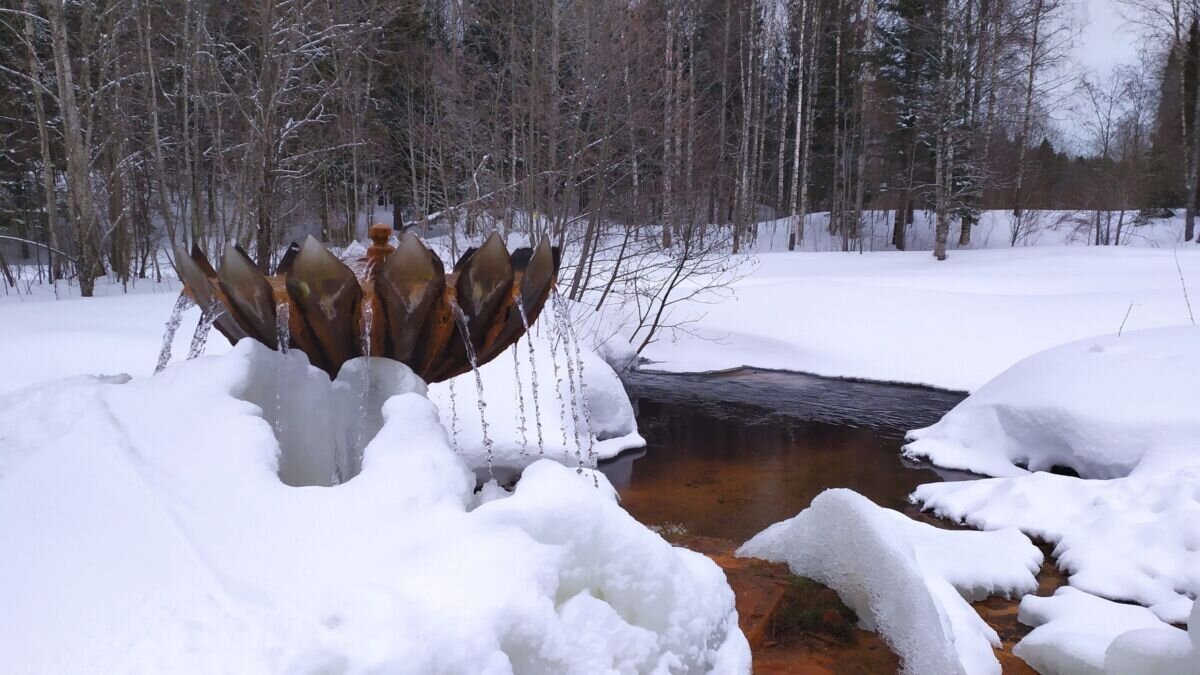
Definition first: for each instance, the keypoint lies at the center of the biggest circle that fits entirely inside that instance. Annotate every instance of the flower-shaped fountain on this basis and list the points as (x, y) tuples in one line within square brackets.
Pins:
[(401, 304)]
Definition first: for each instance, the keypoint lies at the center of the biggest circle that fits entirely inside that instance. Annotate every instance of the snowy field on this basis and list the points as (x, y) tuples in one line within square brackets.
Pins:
[(904, 317)]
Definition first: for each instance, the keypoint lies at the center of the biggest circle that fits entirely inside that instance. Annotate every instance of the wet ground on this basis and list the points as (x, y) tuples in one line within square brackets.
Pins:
[(730, 453)]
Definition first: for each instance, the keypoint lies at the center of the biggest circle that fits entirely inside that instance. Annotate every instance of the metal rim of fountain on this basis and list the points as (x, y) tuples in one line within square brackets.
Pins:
[(404, 306)]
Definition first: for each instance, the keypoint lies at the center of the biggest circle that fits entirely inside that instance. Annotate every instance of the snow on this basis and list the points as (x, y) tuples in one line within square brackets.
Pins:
[(1080, 634), (907, 580), (905, 317), (565, 428), (1105, 407), (147, 529), (1121, 412)]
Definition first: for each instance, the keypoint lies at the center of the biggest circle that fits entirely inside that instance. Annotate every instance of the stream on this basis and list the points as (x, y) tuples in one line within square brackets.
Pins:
[(730, 453)]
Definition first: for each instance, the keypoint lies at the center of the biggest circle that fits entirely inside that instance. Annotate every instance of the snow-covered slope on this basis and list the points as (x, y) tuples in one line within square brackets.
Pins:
[(907, 580), (147, 529), (1104, 407)]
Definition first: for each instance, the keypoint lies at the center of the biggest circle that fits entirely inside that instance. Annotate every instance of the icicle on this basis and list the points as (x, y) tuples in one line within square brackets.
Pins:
[(537, 406), (183, 304), (200, 337), (465, 333)]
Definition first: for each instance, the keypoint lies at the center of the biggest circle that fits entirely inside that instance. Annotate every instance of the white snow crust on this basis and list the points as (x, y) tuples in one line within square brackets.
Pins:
[(909, 581), (1080, 634), (146, 529)]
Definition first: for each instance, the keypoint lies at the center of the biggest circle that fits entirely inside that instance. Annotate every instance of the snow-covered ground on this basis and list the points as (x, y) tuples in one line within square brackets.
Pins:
[(1119, 411), (905, 317), (215, 574), (148, 528)]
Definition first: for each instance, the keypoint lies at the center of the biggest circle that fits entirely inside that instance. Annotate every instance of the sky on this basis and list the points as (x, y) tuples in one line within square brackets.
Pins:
[(1105, 39)]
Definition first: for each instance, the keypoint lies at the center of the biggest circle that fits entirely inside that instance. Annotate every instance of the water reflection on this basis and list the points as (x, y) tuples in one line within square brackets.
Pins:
[(729, 454)]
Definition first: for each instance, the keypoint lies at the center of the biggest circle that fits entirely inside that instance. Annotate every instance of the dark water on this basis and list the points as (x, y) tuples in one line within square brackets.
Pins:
[(729, 454)]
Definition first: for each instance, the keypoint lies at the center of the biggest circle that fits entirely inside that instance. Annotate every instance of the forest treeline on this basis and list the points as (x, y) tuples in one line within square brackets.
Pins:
[(130, 125)]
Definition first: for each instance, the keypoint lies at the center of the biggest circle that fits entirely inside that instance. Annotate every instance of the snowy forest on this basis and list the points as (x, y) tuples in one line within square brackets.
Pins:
[(128, 125)]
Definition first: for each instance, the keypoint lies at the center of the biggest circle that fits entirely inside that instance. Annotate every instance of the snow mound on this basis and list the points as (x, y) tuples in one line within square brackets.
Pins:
[(907, 580), (147, 530), (606, 426), (1080, 634), (1121, 411), (1104, 407)]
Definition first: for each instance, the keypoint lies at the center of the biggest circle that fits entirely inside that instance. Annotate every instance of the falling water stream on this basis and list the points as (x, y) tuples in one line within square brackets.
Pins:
[(563, 328), (360, 440), (537, 406), (521, 420), (283, 340), (465, 333), (183, 304), (200, 337), (571, 346)]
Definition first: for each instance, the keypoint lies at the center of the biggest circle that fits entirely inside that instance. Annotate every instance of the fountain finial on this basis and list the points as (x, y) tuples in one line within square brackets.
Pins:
[(380, 249)]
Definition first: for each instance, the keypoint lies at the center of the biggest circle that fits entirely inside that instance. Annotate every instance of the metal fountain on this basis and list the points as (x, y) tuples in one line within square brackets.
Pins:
[(401, 305)]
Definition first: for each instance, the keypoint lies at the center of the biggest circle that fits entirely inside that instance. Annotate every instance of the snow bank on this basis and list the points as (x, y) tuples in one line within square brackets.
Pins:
[(1134, 538), (1119, 409), (1080, 634), (147, 529), (604, 428), (1101, 406), (907, 580)]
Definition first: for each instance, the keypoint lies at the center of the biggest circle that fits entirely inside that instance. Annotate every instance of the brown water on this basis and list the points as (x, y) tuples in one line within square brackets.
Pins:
[(729, 454)]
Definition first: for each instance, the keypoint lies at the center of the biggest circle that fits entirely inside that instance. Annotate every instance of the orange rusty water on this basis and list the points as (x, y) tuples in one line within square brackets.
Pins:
[(729, 454)]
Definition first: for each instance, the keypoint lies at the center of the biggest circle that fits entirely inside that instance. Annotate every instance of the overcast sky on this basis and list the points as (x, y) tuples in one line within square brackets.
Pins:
[(1105, 39)]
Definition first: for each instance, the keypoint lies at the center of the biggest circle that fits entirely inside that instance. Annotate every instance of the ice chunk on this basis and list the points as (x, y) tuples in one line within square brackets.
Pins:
[(907, 580)]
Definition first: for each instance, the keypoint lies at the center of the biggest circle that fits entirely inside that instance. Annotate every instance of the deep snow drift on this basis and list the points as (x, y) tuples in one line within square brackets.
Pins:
[(1121, 411), (907, 580), (147, 529)]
